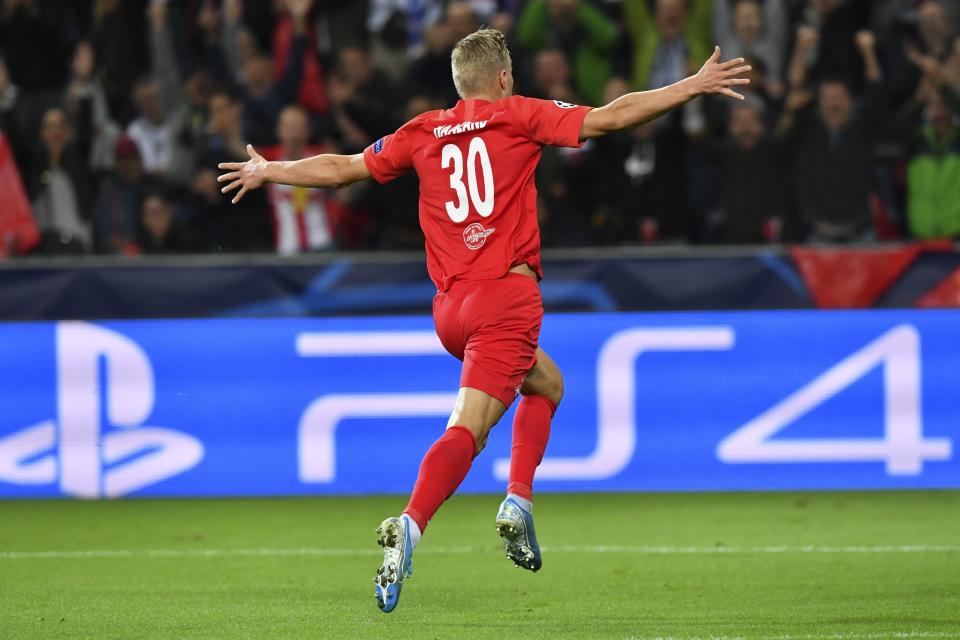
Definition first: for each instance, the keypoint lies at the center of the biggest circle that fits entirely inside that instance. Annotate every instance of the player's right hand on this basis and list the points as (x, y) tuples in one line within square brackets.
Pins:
[(718, 77), (246, 175)]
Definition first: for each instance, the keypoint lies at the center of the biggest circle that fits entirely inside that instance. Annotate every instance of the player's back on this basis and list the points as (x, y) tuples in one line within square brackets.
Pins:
[(476, 164)]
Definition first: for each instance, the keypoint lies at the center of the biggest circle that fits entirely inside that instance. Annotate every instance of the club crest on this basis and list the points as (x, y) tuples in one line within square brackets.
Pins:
[(475, 236)]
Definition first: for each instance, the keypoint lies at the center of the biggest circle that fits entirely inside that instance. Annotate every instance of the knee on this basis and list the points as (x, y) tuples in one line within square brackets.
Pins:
[(556, 393), (552, 387), (478, 413)]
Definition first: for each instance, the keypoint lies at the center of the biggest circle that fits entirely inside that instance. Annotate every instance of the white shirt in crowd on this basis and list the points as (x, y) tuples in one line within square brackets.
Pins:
[(300, 219), (155, 143), (56, 210)]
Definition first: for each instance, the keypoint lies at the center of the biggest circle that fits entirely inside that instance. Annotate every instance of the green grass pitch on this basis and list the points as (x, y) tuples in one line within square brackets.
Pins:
[(811, 566)]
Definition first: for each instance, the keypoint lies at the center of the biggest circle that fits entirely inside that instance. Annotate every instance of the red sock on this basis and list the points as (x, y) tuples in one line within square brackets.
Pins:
[(441, 472), (531, 430)]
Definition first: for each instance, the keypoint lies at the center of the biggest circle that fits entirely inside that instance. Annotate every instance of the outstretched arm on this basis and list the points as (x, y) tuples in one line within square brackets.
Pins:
[(634, 109), (325, 170)]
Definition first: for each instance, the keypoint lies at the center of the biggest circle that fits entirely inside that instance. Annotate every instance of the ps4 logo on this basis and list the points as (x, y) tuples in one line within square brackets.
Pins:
[(99, 373), (903, 447)]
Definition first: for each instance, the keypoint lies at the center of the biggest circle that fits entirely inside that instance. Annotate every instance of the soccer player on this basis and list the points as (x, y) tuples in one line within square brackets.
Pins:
[(476, 164)]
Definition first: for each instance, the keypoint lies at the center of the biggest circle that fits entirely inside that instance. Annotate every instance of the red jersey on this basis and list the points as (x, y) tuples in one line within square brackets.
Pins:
[(476, 164)]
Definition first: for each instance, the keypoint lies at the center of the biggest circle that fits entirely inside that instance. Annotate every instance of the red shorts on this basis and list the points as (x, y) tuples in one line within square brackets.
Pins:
[(492, 326)]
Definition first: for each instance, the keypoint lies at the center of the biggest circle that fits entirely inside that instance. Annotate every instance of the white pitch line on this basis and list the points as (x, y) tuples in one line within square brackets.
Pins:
[(671, 550), (887, 635), (373, 551)]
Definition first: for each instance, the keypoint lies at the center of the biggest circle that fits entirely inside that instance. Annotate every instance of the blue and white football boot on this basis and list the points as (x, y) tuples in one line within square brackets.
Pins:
[(394, 536), (515, 525)]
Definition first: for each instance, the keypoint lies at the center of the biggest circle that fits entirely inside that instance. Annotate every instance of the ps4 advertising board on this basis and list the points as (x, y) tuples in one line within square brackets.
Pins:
[(654, 402)]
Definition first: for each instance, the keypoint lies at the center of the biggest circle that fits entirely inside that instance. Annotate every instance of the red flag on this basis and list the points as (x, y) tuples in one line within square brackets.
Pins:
[(945, 294), (18, 230), (855, 277)]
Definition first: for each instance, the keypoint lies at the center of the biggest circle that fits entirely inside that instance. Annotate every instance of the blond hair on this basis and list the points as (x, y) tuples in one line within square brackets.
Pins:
[(477, 59)]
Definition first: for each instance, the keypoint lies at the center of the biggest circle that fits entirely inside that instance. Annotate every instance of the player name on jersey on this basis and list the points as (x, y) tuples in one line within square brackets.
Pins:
[(463, 127)]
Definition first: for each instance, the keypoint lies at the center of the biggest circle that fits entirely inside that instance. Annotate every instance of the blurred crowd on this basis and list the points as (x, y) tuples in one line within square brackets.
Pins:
[(118, 111)]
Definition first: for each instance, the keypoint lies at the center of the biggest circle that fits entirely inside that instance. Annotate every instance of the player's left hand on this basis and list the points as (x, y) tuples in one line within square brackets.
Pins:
[(718, 77), (246, 175)]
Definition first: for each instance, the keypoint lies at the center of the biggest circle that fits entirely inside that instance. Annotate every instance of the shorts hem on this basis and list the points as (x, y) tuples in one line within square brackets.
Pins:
[(505, 395)]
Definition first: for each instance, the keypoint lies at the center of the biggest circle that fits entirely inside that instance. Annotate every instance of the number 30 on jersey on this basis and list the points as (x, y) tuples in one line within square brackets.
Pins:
[(477, 153)]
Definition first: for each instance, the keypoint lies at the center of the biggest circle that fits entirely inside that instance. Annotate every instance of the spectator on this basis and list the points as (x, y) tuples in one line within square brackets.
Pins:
[(183, 105), (225, 135), (888, 17), (191, 125), (503, 19), (462, 19), (951, 68), (39, 71), (245, 226), (929, 128), (584, 35), (394, 205), (826, 44), (769, 90), (430, 73), (551, 77), (121, 52), (670, 43), (755, 29), (639, 190), (159, 232), (118, 204), (361, 96), (227, 228), (88, 110), (157, 99), (752, 204), (667, 46), (398, 28), (152, 131), (639, 187), (937, 27), (294, 48), (59, 187), (835, 153), (910, 58), (239, 44), (13, 120), (262, 97), (341, 24), (564, 216), (300, 220)]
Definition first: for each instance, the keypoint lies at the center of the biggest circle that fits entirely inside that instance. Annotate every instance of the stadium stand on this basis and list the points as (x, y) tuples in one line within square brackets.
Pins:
[(848, 134)]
